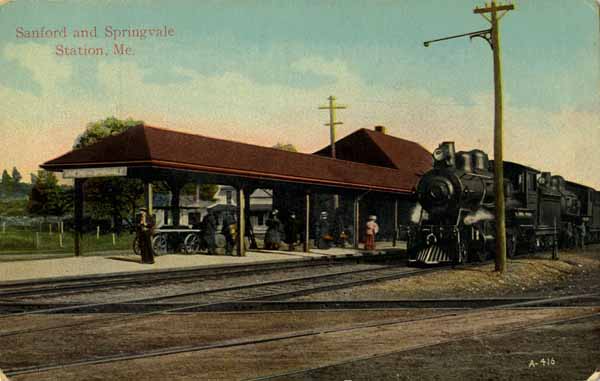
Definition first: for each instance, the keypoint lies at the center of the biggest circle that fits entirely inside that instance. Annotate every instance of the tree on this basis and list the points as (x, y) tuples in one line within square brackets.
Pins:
[(95, 131), (6, 184), (47, 198), (16, 176), (17, 187), (206, 192), (115, 198), (285, 147)]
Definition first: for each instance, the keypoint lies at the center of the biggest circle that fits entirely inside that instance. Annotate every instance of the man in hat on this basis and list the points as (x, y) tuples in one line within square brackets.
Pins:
[(371, 230), (145, 236), (209, 230), (292, 228), (229, 230)]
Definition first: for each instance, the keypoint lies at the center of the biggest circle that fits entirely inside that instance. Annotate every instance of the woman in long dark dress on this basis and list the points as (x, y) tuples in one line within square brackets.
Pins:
[(274, 230)]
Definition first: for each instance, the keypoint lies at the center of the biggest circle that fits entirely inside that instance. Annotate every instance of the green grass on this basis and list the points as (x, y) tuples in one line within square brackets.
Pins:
[(13, 207), (25, 241)]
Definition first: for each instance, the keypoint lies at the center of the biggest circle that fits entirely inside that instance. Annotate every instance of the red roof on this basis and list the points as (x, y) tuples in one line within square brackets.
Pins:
[(145, 146), (377, 148)]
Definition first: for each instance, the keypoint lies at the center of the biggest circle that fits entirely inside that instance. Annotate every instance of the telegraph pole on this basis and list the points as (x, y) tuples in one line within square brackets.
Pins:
[(498, 132), (332, 106), (332, 122), (493, 13), (598, 95)]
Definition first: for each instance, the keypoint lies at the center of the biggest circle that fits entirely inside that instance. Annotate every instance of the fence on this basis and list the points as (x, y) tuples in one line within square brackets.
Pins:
[(35, 236)]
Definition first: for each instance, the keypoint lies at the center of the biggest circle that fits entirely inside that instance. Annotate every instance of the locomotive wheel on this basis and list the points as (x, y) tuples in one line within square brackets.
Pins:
[(191, 244), (220, 241), (136, 246), (479, 255), (159, 244), (463, 253), (532, 244)]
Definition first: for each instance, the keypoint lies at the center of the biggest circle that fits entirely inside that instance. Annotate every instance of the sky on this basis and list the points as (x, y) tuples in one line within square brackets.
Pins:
[(257, 71)]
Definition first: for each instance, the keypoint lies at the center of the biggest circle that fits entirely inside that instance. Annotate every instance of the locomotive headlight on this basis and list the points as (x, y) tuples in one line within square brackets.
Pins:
[(438, 154)]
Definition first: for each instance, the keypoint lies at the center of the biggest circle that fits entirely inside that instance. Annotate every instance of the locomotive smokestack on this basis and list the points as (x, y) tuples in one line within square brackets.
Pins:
[(545, 178), (444, 155)]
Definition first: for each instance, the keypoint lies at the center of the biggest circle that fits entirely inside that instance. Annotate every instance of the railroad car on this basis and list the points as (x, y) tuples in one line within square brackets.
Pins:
[(455, 221)]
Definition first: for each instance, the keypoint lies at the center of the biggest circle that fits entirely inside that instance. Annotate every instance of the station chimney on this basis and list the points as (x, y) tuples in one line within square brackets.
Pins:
[(381, 129)]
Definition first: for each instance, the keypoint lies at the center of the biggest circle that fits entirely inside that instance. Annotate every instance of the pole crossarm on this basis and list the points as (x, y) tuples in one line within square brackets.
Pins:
[(484, 33), (494, 9), (488, 9), (478, 33)]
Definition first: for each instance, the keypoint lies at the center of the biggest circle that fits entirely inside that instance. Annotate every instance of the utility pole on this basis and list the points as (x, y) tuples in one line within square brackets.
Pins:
[(598, 62), (492, 36), (332, 123)]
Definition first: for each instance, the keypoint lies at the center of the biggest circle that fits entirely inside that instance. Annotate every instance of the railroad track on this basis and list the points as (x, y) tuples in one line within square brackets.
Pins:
[(95, 282), (331, 305), (316, 332), (235, 294)]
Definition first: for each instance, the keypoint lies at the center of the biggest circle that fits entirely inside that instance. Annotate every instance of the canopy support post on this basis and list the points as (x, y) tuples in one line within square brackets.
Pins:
[(356, 221), (306, 245), (241, 222), (78, 214), (395, 222)]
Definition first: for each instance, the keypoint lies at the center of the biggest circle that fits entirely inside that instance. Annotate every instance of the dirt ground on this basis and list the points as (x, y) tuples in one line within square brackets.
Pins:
[(276, 357), (576, 272), (164, 331), (555, 352)]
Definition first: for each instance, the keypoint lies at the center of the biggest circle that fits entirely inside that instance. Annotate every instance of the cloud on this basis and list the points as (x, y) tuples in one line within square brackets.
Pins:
[(333, 68), (46, 69)]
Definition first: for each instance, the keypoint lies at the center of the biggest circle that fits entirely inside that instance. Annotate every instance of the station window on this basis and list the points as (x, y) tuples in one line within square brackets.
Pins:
[(531, 182), (520, 183)]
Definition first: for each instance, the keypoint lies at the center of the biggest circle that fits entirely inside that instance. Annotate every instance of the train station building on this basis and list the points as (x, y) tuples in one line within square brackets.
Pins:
[(373, 173)]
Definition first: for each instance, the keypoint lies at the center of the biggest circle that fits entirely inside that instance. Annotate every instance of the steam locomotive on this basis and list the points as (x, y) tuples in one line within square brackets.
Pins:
[(454, 218)]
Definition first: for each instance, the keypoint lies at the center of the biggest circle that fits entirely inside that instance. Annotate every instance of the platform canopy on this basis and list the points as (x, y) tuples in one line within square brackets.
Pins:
[(155, 153)]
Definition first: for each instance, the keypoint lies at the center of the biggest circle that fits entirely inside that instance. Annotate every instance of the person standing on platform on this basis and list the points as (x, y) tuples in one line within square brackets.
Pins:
[(323, 234), (339, 233), (146, 229), (274, 228), (209, 230), (292, 229), (229, 231), (371, 230)]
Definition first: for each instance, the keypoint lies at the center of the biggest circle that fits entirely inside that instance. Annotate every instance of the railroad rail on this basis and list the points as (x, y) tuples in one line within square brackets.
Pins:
[(247, 292), (315, 332), (326, 305)]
